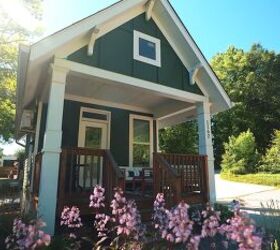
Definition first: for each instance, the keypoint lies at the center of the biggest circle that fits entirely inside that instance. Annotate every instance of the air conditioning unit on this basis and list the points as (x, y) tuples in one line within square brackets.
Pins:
[(27, 120)]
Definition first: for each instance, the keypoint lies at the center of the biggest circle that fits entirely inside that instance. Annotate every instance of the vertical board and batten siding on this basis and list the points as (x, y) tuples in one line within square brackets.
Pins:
[(114, 52), (119, 128)]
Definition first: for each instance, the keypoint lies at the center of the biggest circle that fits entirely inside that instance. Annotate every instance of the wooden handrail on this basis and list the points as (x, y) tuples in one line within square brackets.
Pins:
[(164, 162), (115, 166), (187, 176), (80, 168)]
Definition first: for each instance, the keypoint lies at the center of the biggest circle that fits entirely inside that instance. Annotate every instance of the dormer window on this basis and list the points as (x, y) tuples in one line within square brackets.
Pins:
[(147, 49)]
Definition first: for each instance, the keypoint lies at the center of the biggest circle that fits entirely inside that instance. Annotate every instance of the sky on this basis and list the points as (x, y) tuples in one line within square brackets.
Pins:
[(214, 24)]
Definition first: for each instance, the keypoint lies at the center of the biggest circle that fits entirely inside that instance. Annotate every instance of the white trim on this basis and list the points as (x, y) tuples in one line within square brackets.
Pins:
[(58, 40), (197, 52), (157, 134), (149, 9), (145, 118), (136, 55), (92, 40), (89, 121), (116, 78), (106, 103), (177, 113)]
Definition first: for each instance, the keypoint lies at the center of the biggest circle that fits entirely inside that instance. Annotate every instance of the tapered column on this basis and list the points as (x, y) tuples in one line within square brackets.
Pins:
[(206, 144), (52, 149)]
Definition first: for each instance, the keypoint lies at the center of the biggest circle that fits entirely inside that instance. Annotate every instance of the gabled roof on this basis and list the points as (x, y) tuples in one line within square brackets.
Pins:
[(34, 60)]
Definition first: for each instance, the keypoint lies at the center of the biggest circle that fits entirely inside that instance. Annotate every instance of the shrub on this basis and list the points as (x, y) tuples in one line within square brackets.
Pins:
[(240, 155), (271, 160)]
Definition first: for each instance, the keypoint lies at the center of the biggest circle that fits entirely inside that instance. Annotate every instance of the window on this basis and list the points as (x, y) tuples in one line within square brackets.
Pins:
[(141, 141), (147, 49)]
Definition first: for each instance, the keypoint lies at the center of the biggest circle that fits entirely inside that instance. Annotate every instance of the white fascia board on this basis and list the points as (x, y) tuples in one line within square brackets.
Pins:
[(23, 58), (81, 28), (197, 52), (116, 78)]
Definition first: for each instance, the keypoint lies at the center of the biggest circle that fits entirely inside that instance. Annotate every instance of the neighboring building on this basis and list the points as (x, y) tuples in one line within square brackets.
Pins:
[(9, 160), (93, 96)]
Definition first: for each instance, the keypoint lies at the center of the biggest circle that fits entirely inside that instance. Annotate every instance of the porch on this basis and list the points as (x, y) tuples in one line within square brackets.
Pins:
[(178, 176), (99, 126)]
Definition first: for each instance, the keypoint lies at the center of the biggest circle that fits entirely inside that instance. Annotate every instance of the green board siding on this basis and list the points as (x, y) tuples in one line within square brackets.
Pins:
[(114, 52), (119, 128)]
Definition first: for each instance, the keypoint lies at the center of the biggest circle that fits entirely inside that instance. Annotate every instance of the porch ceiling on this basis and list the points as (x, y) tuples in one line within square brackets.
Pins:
[(94, 89)]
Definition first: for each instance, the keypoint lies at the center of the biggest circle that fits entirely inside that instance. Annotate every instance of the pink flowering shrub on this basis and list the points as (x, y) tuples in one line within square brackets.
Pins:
[(241, 230), (70, 217), (121, 228), (27, 236), (177, 228)]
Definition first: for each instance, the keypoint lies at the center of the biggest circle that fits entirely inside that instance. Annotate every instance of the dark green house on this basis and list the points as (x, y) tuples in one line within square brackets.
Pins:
[(92, 97)]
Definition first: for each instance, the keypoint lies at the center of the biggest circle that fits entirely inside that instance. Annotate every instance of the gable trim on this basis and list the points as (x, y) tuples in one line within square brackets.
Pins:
[(196, 50)]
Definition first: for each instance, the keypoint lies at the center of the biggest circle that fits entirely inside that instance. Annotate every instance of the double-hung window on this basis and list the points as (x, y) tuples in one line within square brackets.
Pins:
[(141, 141)]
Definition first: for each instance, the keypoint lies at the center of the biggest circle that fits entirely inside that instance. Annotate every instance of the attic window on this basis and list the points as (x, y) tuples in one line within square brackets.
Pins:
[(147, 49)]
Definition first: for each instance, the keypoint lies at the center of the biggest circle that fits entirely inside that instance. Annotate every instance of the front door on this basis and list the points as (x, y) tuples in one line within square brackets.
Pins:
[(93, 135)]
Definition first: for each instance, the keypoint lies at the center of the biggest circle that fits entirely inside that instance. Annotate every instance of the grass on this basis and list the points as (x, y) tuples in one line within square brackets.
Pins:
[(258, 178)]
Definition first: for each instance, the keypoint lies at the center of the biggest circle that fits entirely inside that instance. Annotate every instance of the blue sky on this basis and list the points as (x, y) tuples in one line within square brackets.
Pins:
[(214, 24)]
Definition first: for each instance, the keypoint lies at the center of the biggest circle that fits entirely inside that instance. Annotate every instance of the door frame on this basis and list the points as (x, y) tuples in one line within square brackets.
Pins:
[(94, 123)]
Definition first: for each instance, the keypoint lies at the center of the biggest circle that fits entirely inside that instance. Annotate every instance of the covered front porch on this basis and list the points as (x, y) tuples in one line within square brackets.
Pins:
[(102, 126)]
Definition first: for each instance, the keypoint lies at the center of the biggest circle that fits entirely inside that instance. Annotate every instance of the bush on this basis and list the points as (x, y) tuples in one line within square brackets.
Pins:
[(271, 160), (240, 155)]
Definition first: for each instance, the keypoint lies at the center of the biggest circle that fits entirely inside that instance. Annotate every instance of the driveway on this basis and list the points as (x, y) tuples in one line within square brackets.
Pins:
[(251, 195)]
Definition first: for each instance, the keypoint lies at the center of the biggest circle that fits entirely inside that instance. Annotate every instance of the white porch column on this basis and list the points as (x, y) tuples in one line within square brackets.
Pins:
[(51, 149), (205, 144)]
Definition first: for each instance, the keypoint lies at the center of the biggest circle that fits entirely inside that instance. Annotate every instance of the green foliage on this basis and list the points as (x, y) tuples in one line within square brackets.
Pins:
[(271, 160), (252, 80), (181, 138), (258, 178), (11, 34), (240, 155)]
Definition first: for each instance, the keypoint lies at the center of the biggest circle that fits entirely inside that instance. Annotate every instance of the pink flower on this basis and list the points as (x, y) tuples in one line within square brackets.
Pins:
[(97, 198), (126, 216), (179, 224), (27, 236), (70, 217), (241, 229), (211, 222)]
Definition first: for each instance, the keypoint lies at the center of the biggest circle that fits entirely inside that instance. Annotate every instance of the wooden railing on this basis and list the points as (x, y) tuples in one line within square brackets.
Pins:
[(80, 170), (36, 180), (181, 177)]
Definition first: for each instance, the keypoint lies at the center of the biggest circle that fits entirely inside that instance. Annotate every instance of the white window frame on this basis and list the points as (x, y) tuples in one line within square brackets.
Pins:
[(136, 36), (96, 111), (131, 136)]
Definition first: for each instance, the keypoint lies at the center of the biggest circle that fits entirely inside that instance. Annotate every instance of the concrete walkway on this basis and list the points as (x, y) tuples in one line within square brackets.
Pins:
[(250, 194)]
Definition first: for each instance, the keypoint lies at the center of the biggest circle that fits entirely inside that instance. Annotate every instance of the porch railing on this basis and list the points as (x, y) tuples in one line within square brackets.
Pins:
[(181, 177), (80, 170), (36, 180)]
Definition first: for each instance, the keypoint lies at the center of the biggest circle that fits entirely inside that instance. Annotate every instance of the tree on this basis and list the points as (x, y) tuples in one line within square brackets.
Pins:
[(240, 155), (182, 138), (252, 80), (271, 160), (11, 34)]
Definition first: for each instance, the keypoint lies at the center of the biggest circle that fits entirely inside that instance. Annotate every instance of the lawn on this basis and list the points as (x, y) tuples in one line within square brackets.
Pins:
[(258, 178)]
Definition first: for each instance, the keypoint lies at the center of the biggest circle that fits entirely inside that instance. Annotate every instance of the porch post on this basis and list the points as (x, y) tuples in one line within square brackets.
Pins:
[(205, 144), (52, 149)]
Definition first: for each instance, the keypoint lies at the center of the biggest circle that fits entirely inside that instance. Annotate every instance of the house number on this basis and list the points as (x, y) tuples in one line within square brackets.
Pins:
[(208, 129)]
